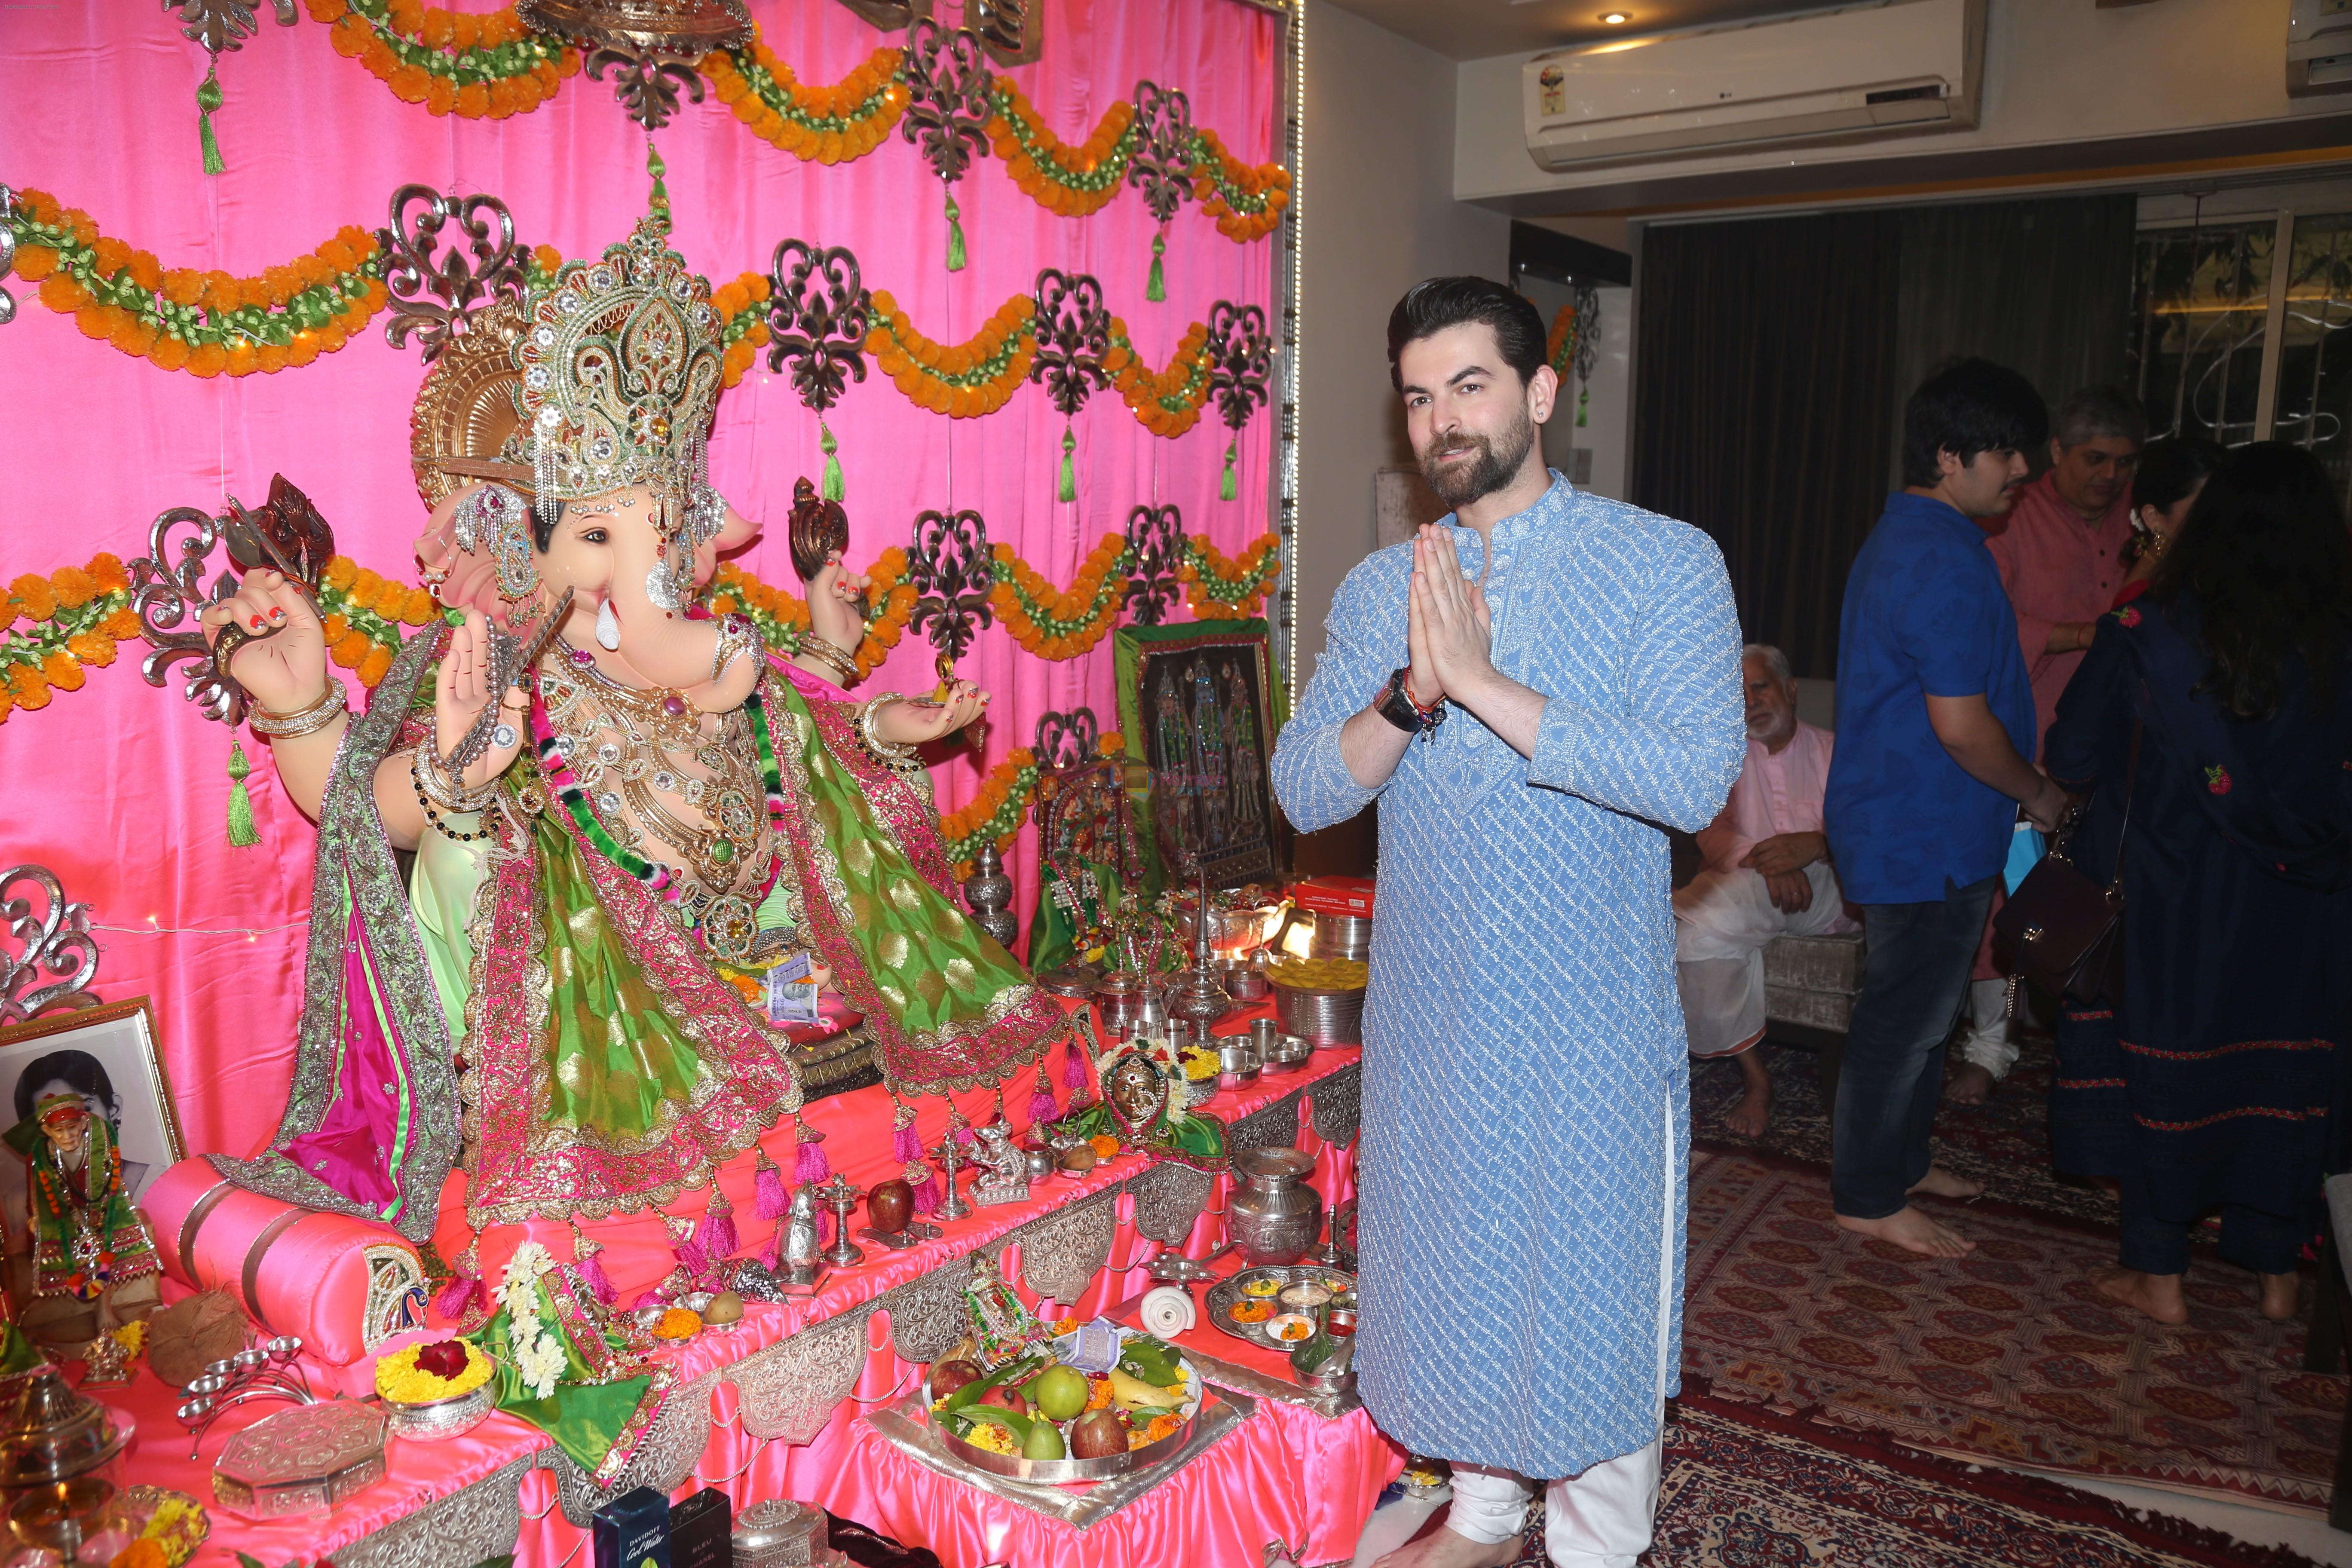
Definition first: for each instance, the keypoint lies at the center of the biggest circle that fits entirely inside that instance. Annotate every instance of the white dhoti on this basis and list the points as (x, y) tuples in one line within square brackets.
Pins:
[(1722, 921)]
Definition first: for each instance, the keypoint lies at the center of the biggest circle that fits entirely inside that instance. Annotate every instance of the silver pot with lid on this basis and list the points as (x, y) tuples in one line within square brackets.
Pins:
[(50, 1433), (1274, 1214)]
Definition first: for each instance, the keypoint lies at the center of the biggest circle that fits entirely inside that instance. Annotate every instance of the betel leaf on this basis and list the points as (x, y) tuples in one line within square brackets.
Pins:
[(1153, 1360)]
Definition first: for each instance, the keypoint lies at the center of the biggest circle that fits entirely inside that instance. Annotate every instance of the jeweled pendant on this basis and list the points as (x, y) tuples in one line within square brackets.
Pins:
[(674, 706), (722, 851)]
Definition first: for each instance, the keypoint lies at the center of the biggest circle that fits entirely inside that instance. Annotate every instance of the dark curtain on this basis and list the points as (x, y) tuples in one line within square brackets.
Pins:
[(2044, 287), (1762, 402)]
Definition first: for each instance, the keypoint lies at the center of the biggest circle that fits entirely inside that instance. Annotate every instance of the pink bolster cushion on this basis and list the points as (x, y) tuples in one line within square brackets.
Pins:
[(342, 1285)]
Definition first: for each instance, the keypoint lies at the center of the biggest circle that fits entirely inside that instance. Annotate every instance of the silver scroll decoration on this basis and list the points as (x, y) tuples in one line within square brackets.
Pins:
[(223, 25), (471, 1525), (57, 941), (436, 299), (1272, 1127), (662, 1461), (1169, 1198), (7, 252), (167, 593), (790, 1390), (926, 1315), (1062, 1253), (1338, 1104)]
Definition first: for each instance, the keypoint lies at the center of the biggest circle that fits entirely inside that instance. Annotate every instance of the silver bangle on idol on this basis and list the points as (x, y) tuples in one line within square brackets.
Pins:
[(307, 721), (444, 791), (833, 656), (896, 758)]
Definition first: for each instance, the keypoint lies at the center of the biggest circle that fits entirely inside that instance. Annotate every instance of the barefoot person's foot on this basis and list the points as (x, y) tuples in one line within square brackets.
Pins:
[(2282, 1296), (1909, 1229), (1968, 1085), (1754, 1113), (1442, 1548), (1938, 1183), (2157, 1295)]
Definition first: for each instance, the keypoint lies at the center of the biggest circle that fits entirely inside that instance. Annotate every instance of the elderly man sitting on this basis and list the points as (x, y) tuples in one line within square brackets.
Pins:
[(1766, 874)]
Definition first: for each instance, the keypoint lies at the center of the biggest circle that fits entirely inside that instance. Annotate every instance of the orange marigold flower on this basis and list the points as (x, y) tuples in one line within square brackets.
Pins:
[(474, 102), (440, 95), (62, 670), (121, 624), (106, 573), (416, 609), (340, 572), (62, 294), (351, 647), (270, 358), (240, 358), (91, 647), (326, 11), (30, 690), (73, 587), (35, 262), (168, 353), (143, 1552), (375, 667), (33, 597)]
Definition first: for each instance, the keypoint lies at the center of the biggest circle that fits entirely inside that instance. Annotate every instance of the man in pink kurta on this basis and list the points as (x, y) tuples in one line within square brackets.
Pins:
[(2059, 552)]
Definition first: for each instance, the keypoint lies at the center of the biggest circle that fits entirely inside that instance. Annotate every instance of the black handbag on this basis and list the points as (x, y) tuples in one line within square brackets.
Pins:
[(2061, 931)]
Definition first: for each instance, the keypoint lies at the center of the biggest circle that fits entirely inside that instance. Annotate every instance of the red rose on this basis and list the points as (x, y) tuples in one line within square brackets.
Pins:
[(445, 1359)]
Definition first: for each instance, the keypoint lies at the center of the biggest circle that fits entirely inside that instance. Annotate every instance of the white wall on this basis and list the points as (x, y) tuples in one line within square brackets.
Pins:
[(1379, 216), (1603, 432), (2057, 72)]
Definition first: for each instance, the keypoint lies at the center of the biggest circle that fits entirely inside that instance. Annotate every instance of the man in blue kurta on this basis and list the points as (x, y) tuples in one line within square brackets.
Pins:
[(1571, 666)]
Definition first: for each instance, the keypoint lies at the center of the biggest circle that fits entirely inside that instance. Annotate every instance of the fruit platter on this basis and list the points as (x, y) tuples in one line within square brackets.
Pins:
[(1272, 1307), (1034, 1419)]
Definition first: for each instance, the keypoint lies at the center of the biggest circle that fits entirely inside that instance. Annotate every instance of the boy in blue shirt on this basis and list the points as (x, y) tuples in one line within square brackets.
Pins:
[(1934, 739)]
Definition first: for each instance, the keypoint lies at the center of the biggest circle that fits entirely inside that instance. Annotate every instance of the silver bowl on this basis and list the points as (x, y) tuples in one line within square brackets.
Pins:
[(437, 1420)]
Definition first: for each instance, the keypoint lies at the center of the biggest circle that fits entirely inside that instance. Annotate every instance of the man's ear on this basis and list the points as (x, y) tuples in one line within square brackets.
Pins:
[(1543, 394), (2057, 451)]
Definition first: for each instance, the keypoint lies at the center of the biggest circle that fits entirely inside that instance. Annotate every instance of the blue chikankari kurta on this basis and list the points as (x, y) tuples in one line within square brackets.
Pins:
[(1525, 1119)]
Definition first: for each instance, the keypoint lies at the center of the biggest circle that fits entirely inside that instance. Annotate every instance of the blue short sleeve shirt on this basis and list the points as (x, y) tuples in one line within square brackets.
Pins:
[(1924, 614)]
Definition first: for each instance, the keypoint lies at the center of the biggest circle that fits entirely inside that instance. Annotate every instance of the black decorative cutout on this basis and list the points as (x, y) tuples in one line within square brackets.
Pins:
[(1155, 544), (1241, 357), (952, 97), (484, 264), (647, 86), (1066, 740), (1161, 164), (817, 315), (951, 570), (1073, 337)]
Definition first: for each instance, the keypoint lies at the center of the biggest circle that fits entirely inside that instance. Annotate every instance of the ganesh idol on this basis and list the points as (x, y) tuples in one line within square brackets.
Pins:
[(571, 834)]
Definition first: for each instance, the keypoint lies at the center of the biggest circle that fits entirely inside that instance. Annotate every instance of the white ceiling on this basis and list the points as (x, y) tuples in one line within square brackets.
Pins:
[(1473, 29)]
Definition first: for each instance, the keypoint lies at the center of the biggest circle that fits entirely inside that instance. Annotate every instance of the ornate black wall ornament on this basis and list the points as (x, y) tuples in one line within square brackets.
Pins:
[(651, 45), (1073, 337), (1066, 740), (1155, 544), (952, 97), (818, 313), (1161, 166), (646, 87), (1241, 357), (951, 570), (436, 299), (167, 593)]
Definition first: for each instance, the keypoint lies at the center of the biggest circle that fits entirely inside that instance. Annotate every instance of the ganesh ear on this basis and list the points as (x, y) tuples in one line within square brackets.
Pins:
[(735, 532)]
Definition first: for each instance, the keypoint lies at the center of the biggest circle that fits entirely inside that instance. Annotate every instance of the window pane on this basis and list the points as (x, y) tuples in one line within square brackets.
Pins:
[(2314, 385), (2198, 342)]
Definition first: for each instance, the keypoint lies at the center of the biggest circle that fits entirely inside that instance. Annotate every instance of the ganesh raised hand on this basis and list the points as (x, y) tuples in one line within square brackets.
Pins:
[(910, 723), (836, 603), (276, 652), (462, 689)]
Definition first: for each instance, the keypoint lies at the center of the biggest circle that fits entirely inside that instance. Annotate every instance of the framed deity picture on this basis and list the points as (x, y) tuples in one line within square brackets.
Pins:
[(108, 1055), (1200, 707)]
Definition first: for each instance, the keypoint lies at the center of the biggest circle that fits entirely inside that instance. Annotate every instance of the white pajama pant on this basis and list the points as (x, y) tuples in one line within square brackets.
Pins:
[(1722, 921), (1601, 1518), (1991, 1039)]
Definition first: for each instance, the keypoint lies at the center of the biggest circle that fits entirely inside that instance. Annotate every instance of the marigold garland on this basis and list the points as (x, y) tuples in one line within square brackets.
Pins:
[(72, 617), (742, 329), (1059, 626), (1246, 200), (477, 66), (961, 380), (1075, 181), (1559, 350), (1216, 589), (183, 318), (824, 124), (1005, 798), (1167, 402), (782, 620)]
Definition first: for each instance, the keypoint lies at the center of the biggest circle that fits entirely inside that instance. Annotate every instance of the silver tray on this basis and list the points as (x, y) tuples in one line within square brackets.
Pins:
[(1015, 1466), (1224, 1293)]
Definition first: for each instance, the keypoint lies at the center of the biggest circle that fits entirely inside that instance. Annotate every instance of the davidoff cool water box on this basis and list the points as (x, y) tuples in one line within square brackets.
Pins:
[(633, 1530)]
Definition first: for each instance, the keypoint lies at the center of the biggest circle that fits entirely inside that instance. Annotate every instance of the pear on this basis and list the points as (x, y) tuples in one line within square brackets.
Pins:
[(1044, 1442)]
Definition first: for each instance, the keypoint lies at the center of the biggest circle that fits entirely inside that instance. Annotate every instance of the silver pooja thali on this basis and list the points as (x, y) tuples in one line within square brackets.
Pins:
[(1227, 1294)]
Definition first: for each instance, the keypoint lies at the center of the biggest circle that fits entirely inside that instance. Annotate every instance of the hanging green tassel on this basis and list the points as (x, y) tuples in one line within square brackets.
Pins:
[(1227, 487), (243, 834), (1583, 401), (657, 199), (1069, 468), (831, 487), (1156, 289), (208, 98), (955, 234)]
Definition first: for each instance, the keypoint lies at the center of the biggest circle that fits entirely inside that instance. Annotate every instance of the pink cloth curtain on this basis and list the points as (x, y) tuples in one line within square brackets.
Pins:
[(121, 788)]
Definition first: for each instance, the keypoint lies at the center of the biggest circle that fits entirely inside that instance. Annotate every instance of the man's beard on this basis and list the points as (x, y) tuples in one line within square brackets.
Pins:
[(1494, 466), (1770, 727)]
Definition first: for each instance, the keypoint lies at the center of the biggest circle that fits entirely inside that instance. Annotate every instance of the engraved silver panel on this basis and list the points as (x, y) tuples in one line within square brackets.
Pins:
[(790, 1390)]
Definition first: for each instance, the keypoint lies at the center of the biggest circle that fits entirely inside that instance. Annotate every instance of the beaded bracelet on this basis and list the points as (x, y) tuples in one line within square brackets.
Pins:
[(432, 816)]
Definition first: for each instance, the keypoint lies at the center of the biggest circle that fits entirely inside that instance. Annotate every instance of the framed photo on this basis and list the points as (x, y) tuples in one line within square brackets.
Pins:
[(1198, 706), (107, 1055)]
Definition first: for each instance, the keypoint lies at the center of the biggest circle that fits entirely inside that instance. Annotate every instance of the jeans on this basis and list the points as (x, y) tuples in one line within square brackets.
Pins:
[(2249, 1238), (1912, 985)]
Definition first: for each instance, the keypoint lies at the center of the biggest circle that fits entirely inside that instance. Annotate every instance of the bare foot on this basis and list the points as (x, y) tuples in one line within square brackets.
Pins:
[(2281, 1295), (1754, 1113), (2157, 1295), (1938, 1183), (1909, 1229), (1443, 1548), (1968, 1085)]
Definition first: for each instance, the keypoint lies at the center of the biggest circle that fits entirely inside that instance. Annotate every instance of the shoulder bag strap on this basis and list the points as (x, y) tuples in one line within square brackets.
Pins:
[(2131, 786)]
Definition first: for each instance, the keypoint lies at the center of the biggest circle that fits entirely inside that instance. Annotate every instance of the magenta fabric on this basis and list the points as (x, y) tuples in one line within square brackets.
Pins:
[(121, 788), (355, 1144)]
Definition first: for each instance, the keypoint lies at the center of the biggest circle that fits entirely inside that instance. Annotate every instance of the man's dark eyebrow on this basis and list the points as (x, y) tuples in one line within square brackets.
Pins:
[(1464, 372)]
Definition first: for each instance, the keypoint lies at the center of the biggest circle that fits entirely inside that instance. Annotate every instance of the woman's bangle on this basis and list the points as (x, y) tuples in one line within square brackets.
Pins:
[(307, 721)]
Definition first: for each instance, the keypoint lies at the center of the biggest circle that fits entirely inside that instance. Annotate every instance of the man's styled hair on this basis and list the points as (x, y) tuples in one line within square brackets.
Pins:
[(2098, 411), (1433, 304), (1774, 659), (1966, 406)]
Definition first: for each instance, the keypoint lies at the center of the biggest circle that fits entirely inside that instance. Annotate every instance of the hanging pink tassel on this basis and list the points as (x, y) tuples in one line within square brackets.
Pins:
[(810, 1164), (591, 1271), (460, 1297), (1042, 1108), (928, 1195), (768, 1199), (717, 1235), (770, 1256), (1074, 1066), (690, 1255), (906, 1143)]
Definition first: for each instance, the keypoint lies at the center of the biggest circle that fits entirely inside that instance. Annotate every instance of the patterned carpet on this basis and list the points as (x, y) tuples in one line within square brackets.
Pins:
[(2006, 1355), (2004, 1142), (1745, 1492)]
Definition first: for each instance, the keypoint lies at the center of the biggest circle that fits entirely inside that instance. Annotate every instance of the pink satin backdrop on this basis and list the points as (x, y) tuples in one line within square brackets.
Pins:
[(121, 788), (1286, 1474)]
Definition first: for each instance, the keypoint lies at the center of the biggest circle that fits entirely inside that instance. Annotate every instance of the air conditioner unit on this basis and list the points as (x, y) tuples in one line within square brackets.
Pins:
[(1895, 67), (2318, 48)]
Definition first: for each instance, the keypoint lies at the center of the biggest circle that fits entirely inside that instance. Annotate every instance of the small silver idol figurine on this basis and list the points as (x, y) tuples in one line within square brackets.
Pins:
[(989, 891), (801, 1238), (1006, 1178)]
